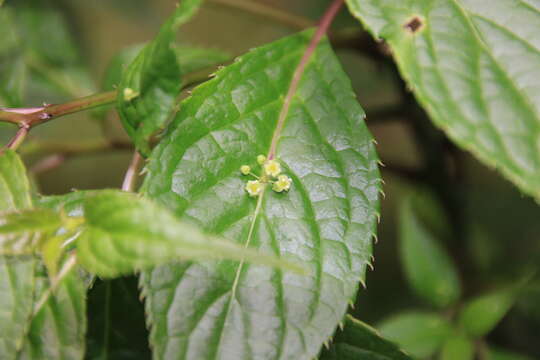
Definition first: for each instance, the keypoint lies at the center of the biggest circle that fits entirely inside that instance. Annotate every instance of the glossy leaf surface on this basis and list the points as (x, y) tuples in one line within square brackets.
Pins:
[(225, 310), (474, 66), (360, 341), (151, 83)]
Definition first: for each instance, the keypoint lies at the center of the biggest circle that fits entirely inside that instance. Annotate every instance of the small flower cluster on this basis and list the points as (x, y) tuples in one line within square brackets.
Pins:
[(271, 174)]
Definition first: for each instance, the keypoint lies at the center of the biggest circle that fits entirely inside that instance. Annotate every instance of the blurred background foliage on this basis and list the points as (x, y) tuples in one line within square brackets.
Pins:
[(52, 51)]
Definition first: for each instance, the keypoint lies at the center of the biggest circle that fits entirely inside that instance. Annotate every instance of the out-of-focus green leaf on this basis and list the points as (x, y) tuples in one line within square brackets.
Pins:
[(57, 330), (457, 347), (21, 231), (37, 44), (193, 58), (16, 273), (500, 354), (419, 333), (480, 315), (459, 58), (428, 267), (227, 310), (360, 341), (124, 233), (151, 83)]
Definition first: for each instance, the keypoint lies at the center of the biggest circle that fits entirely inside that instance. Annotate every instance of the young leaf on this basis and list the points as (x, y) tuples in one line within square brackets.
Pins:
[(58, 329), (360, 341), (457, 347), (16, 273), (124, 233), (459, 57), (482, 314), (151, 83), (21, 231), (223, 310), (428, 267), (419, 333)]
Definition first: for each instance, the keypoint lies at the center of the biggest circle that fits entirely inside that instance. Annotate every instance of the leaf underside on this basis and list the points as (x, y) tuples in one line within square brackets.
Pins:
[(231, 310), (475, 67)]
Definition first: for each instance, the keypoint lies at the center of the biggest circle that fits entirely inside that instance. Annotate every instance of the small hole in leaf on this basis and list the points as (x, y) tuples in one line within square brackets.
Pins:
[(414, 25)]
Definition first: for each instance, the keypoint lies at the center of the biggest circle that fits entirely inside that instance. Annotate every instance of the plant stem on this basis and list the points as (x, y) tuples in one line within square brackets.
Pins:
[(293, 21), (322, 28), (18, 138), (130, 179)]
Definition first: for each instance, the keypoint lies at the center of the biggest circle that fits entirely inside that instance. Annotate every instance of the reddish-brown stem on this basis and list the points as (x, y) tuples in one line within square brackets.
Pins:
[(18, 138), (130, 179), (322, 29)]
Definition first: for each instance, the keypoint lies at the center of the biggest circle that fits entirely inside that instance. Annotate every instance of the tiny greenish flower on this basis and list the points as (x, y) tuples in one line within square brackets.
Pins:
[(129, 94), (254, 187), (245, 169), (261, 159), (282, 184), (272, 168)]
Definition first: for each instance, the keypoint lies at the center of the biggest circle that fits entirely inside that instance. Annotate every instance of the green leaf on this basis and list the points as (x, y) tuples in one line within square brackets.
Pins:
[(58, 329), (16, 273), (234, 310), (151, 83), (480, 315), (419, 333), (360, 341), (21, 231), (428, 267), (37, 44), (193, 58), (458, 347), (500, 354), (124, 233), (461, 64)]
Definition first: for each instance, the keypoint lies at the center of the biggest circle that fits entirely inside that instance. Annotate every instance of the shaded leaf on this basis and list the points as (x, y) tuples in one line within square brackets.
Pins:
[(57, 330), (419, 333), (360, 341), (480, 315), (428, 267), (37, 44), (151, 83), (457, 347), (223, 310), (500, 354), (16, 273), (459, 58), (124, 233)]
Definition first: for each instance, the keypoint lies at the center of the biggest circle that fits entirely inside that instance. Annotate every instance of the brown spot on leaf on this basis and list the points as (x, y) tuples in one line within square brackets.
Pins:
[(414, 25)]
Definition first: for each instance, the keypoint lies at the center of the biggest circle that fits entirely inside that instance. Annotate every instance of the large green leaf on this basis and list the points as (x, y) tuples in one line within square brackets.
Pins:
[(123, 233), (360, 341), (473, 65), (226, 310), (419, 333), (428, 267), (16, 273), (151, 83)]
